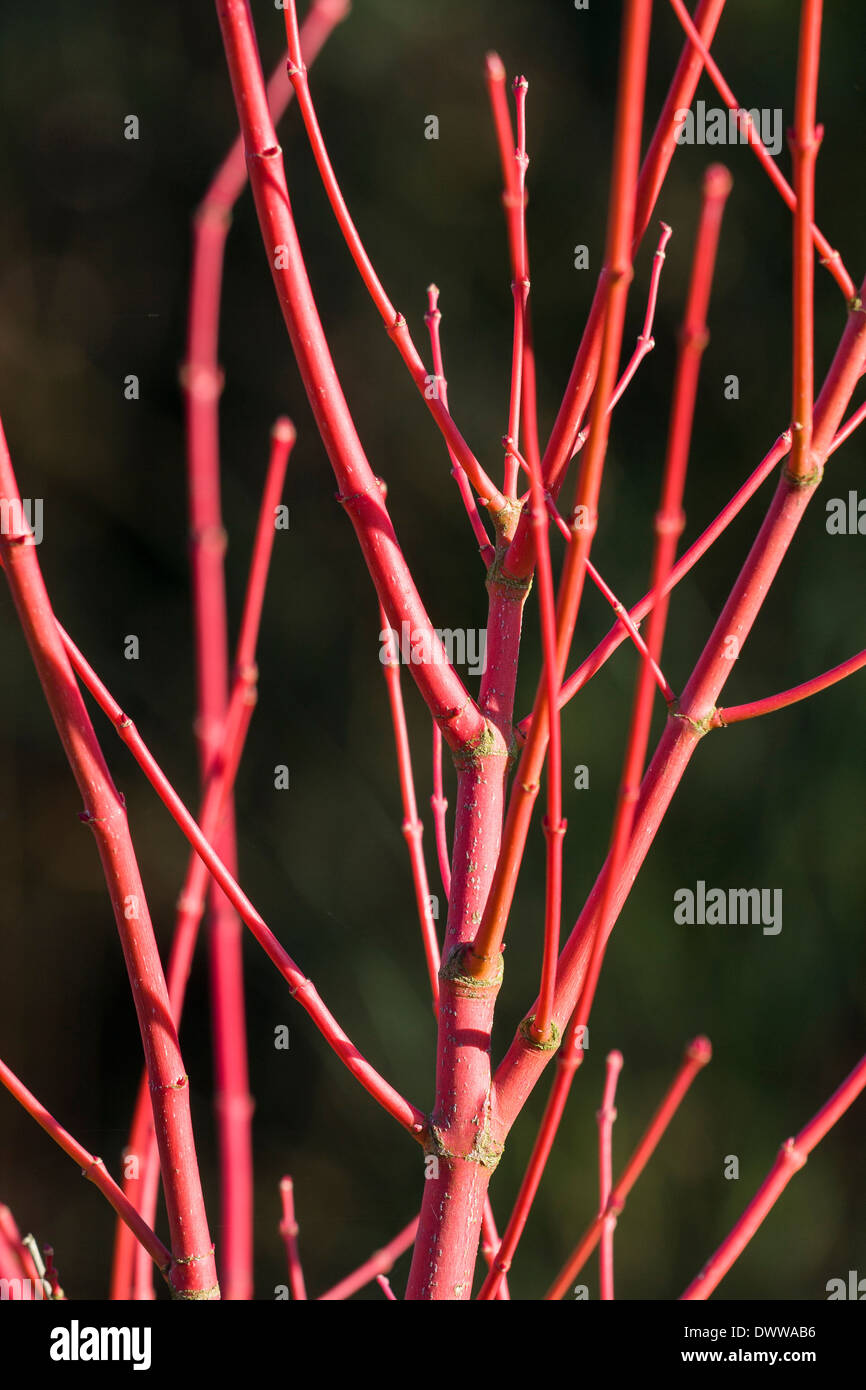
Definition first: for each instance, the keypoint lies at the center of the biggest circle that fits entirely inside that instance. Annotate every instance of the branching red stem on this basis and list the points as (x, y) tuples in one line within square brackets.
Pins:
[(830, 258), (791, 1157), (395, 323), (697, 1055), (193, 1272), (92, 1168)]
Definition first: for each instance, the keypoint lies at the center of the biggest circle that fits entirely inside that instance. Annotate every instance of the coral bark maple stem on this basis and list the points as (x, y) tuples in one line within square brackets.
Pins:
[(193, 1272), (459, 718)]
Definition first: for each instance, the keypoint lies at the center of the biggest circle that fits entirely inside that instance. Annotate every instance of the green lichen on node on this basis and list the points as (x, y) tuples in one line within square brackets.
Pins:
[(485, 1151), (505, 521), (470, 986), (515, 748), (513, 586), (529, 1038), (700, 726), (488, 744), (810, 479)]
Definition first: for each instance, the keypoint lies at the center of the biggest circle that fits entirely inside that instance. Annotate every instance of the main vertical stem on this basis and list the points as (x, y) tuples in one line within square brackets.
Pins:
[(464, 1142)]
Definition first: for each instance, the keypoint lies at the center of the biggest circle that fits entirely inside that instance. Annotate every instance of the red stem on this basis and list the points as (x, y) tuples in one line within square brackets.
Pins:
[(142, 1179), (669, 523), (221, 778), (394, 321), (521, 1067), (193, 1272), (804, 141), (93, 1169), (697, 1055), (302, 988), (554, 825), (514, 203), (461, 1152), (616, 636), (849, 427), (734, 714), (615, 604), (629, 627), (433, 318), (440, 687), (791, 1157), (606, 1117), (645, 343), (413, 829), (439, 806), (202, 381), (381, 1262), (520, 558), (16, 1251), (830, 258), (289, 1233), (487, 945)]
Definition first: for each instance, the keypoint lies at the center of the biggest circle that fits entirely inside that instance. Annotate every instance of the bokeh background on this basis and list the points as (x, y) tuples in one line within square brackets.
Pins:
[(94, 261)]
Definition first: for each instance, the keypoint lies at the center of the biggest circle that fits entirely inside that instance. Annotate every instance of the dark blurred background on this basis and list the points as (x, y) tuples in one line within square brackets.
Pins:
[(94, 261)]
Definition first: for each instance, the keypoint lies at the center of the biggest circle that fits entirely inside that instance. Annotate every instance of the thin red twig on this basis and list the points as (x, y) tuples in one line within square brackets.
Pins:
[(804, 140), (521, 1067), (735, 714), (302, 988), (432, 318), (554, 825), (790, 1159), (443, 691), (830, 257), (92, 1168), (202, 381), (519, 560), (698, 1053), (669, 523), (850, 425), (630, 99), (439, 806), (193, 1271), (606, 1117), (514, 203), (289, 1233), (142, 1180), (412, 827), (380, 1262), (618, 608), (394, 322), (605, 649), (645, 342)]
